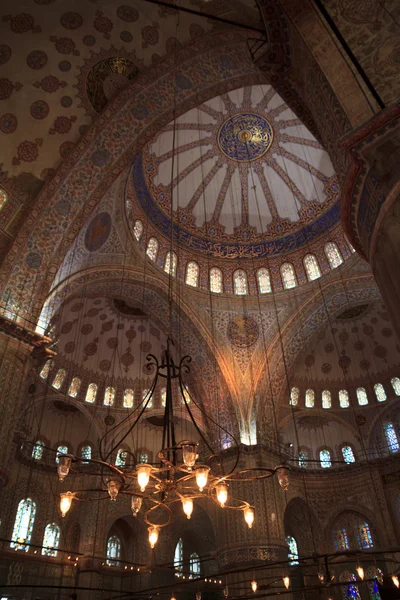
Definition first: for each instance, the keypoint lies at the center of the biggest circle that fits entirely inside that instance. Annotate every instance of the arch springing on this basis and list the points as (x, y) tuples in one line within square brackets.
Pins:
[(192, 274), (288, 276), (240, 282), (113, 551), (312, 267), (216, 281), (264, 281), (333, 255), (51, 539), (23, 525)]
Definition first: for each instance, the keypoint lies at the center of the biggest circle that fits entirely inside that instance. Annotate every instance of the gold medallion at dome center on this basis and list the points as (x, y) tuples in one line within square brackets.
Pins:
[(245, 135)]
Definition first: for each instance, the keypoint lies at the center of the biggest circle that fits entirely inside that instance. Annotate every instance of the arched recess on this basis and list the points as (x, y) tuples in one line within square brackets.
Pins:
[(347, 517), (301, 523), (378, 443), (132, 534)]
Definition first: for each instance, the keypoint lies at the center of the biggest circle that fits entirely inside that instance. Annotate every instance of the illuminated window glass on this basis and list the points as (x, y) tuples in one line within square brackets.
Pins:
[(264, 281), (167, 265), (344, 401), (240, 282), (192, 274), (194, 565), (294, 396), (128, 398), (3, 198), (143, 458), (59, 378), (60, 451), (86, 453), (312, 267), (349, 591), (178, 556), (391, 438), (310, 397), (91, 393), (46, 369), (152, 249), (325, 459), (288, 276), (303, 459), (186, 395), (364, 537), (293, 554), (37, 452), (138, 230), (23, 525), (74, 387), (341, 540), (362, 396), (380, 392), (396, 385), (109, 396), (122, 455), (163, 396), (216, 283), (113, 551), (326, 399), (145, 394), (333, 255), (374, 575), (348, 454), (51, 539)]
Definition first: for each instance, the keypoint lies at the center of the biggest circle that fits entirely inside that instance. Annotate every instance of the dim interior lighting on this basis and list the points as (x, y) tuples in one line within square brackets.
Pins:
[(187, 504), (65, 502), (113, 489), (198, 595), (283, 477), (321, 576), (396, 581), (226, 591), (222, 493), (153, 535), (254, 585), (360, 571), (286, 582), (249, 516), (143, 476), (136, 504), (173, 597), (189, 454), (202, 477), (64, 465)]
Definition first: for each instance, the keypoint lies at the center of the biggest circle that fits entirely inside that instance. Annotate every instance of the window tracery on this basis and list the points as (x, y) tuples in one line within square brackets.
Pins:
[(192, 274), (120, 461), (326, 399), (59, 378), (362, 396), (348, 454), (288, 276), (364, 536), (86, 453), (178, 557), (312, 267), (310, 398), (23, 525), (109, 396), (375, 574), (216, 280), (380, 392), (113, 551), (264, 281), (51, 540), (152, 249), (294, 396), (325, 459), (344, 401), (91, 393), (37, 452), (143, 458), (74, 387), (168, 267), (240, 282), (129, 397), (349, 591), (194, 565), (138, 230), (395, 381), (333, 255), (341, 540), (61, 450)]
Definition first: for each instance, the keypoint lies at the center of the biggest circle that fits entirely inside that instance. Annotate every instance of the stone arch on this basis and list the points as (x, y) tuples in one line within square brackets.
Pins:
[(301, 523), (351, 513)]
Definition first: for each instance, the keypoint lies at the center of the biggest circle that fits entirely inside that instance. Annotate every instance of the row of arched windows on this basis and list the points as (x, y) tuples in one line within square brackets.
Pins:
[(240, 282), (23, 527), (86, 454), (343, 395)]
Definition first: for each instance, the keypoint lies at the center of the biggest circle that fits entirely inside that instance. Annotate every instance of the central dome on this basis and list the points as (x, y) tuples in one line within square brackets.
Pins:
[(245, 137)]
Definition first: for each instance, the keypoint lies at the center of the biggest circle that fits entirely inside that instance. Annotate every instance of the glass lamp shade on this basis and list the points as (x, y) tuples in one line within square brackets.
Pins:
[(187, 504), (226, 591), (198, 595), (360, 572), (153, 535), (202, 477), (249, 516), (189, 455), (143, 476), (136, 504), (113, 489), (286, 582), (396, 581), (65, 502), (64, 465), (222, 493), (254, 585), (283, 478)]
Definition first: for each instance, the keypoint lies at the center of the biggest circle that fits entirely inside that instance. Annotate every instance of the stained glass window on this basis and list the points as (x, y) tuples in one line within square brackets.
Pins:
[(59, 378), (341, 540), (310, 397), (325, 459), (167, 264), (51, 539), (143, 458), (37, 452), (391, 438), (364, 537), (312, 267), (194, 565), (396, 385), (120, 461), (145, 394), (348, 454), (163, 396), (264, 281), (380, 392), (23, 525), (216, 282), (152, 248), (288, 276), (350, 591), (138, 230), (294, 396), (303, 459), (86, 453), (91, 393), (293, 554), (375, 574), (60, 451), (333, 255), (128, 398), (178, 556), (326, 399), (362, 396), (240, 282), (46, 369), (3, 198), (113, 551), (344, 401), (192, 274), (109, 396), (74, 387)]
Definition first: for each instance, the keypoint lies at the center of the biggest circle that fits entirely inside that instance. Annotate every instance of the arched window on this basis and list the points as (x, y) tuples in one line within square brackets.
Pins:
[(109, 396), (293, 554), (37, 452), (167, 264), (326, 399), (294, 396), (310, 397), (396, 385), (120, 461), (341, 540), (391, 438), (178, 557), (23, 525), (128, 398), (113, 551), (216, 281), (143, 458), (362, 396), (374, 574), (46, 369), (303, 459), (91, 393), (59, 378), (145, 394), (186, 395), (163, 396), (364, 537), (380, 392), (288, 276), (312, 267), (61, 450), (86, 453), (3, 198), (192, 274), (264, 281), (240, 282), (138, 230), (344, 401), (348, 454), (325, 459), (51, 539), (350, 590), (152, 249), (74, 387), (194, 565), (333, 255)]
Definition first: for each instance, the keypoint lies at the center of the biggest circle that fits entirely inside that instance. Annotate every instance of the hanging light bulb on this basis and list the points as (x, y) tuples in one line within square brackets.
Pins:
[(136, 504), (283, 478), (143, 476), (65, 502), (321, 576), (249, 516), (396, 581), (189, 454), (286, 582), (187, 504), (198, 595), (173, 596), (226, 591), (153, 535), (64, 465), (202, 477), (222, 493), (360, 571), (113, 489), (254, 585)]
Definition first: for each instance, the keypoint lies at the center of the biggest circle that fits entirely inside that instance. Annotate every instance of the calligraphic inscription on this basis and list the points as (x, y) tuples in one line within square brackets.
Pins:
[(242, 331), (245, 137)]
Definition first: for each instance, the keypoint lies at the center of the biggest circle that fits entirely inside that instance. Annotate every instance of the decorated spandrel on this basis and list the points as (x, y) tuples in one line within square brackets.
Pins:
[(240, 282), (51, 540), (74, 387), (23, 525), (264, 281), (216, 282), (312, 267), (128, 398), (288, 276), (152, 249), (192, 274), (91, 393), (113, 551), (333, 255)]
